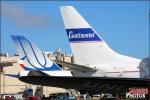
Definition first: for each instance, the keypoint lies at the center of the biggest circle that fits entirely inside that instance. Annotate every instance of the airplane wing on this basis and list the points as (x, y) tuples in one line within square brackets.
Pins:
[(76, 67), (93, 84)]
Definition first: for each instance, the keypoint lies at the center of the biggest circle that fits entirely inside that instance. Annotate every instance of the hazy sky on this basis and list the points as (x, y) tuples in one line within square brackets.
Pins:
[(124, 25)]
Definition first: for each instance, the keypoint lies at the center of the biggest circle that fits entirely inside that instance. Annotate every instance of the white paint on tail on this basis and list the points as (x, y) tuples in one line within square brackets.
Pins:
[(90, 49)]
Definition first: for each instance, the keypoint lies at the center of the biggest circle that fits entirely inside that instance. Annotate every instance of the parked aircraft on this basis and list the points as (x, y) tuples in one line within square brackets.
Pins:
[(97, 67), (90, 50)]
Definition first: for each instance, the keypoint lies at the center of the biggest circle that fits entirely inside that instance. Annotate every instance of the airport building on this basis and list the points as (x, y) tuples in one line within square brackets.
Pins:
[(11, 85)]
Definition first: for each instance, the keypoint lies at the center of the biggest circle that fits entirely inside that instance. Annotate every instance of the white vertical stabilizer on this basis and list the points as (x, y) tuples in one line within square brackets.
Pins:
[(87, 46)]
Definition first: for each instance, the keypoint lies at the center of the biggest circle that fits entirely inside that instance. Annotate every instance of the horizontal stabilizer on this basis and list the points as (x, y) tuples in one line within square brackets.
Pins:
[(11, 75), (76, 67)]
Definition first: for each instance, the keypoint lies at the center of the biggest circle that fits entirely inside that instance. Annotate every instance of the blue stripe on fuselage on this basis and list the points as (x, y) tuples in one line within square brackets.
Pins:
[(82, 34)]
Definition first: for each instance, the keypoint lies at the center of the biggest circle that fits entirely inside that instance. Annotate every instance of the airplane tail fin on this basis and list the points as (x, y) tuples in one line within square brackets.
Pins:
[(31, 58), (86, 44), (78, 30)]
